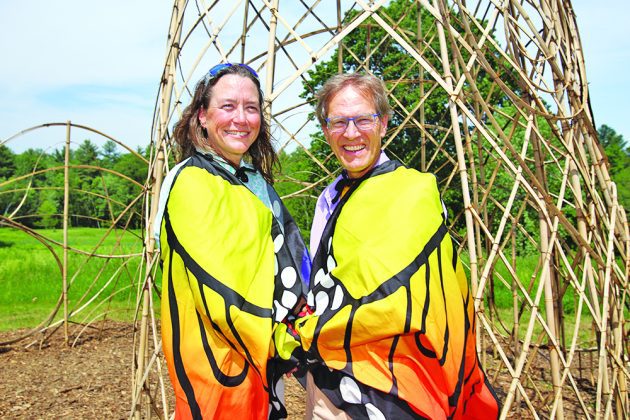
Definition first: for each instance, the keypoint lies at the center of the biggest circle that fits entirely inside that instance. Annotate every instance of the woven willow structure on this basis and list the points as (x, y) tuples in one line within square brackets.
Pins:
[(111, 265), (515, 136)]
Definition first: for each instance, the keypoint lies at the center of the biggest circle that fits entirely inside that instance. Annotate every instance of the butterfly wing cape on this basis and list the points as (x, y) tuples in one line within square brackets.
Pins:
[(232, 270), (392, 334)]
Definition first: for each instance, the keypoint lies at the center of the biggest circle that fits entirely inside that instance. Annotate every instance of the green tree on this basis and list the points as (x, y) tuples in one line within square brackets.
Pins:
[(85, 207), (95, 195), (7, 170), (87, 153), (123, 192), (25, 191), (110, 154), (47, 211), (132, 166), (616, 148), (7, 162), (296, 174), (618, 154), (527, 234)]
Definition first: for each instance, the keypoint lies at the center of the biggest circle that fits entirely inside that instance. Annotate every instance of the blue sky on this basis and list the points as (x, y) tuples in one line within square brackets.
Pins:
[(98, 64), (95, 63)]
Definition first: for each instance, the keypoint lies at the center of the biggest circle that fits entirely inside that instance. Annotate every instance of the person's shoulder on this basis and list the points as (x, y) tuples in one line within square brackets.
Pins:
[(168, 180), (197, 171), (412, 174), (412, 180), (421, 176), (332, 184), (179, 166)]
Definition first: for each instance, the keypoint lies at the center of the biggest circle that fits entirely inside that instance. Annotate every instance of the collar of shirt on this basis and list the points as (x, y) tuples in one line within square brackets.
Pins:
[(252, 179), (331, 191), (224, 164)]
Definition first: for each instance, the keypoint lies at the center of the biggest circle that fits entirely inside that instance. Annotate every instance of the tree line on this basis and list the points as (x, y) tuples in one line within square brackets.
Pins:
[(103, 182), (32, 183)]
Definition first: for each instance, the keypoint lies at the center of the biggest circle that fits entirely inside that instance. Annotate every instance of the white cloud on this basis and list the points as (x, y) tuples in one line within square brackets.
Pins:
[(95, 63), (78, 42)]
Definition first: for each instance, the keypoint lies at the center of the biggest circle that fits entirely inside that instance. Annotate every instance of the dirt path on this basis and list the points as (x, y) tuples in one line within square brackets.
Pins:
[(91, 380)]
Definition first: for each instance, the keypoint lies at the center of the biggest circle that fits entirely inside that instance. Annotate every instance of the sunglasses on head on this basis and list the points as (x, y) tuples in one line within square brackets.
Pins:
[(214, 71)]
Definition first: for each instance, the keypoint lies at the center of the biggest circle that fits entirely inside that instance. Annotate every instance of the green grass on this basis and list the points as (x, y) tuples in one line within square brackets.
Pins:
[(31, 277), (527, 270), (31, 281)]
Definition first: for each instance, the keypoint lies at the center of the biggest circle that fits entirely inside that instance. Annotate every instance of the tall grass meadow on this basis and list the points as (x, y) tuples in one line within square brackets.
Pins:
[(31, 274)]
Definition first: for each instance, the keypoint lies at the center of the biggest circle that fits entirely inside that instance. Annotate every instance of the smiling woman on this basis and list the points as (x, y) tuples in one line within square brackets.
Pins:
[(233, 259), (232, 119)]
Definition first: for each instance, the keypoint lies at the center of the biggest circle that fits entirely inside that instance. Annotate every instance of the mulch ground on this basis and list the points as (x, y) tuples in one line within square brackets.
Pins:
[(92, 378)]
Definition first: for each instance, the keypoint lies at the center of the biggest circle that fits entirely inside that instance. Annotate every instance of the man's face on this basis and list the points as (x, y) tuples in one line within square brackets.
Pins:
[(357, 150)]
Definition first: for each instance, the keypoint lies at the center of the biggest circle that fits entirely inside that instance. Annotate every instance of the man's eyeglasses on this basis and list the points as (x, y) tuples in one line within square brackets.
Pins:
[(365, 122), (214, 71)]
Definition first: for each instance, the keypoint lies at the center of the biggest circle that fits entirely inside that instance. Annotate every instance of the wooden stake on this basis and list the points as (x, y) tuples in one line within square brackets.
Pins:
[(66, 207)]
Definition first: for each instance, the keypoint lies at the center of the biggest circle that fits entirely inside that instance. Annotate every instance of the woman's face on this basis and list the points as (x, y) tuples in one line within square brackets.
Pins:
[(232, 119)]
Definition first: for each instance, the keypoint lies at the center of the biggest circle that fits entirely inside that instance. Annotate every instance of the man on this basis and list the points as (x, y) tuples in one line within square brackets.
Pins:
[(392, 333)]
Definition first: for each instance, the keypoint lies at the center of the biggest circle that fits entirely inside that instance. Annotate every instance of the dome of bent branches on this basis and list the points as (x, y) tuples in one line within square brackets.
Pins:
[(494, 102)]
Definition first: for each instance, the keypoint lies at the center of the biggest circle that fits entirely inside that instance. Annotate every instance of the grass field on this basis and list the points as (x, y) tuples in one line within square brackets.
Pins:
[(502, 311), (31, 280), (31, 276)]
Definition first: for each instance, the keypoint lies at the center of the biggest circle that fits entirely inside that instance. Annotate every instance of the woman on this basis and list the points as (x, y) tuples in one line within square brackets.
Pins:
[(233, 259)]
